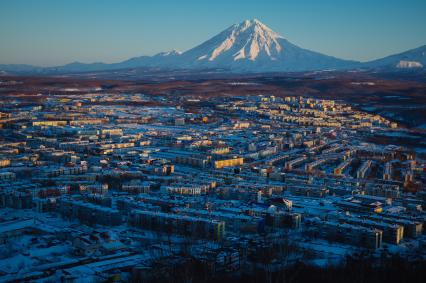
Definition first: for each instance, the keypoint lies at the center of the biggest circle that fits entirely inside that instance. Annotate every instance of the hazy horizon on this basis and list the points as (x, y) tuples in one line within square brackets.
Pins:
[(51, 33)]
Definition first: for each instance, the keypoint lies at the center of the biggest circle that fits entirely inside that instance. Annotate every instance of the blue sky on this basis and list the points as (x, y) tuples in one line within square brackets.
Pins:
[(54, 32)]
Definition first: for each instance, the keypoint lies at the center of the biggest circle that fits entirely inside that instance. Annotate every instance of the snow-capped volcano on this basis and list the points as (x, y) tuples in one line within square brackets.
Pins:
[(247, 40), (252, 46), (249, 46)]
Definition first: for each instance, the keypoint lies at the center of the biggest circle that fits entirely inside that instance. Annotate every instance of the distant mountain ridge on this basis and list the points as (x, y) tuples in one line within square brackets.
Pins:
[(414, 58), (249, 46)]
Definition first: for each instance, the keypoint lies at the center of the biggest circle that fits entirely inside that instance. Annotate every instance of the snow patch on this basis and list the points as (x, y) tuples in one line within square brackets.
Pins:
[(404, 64)]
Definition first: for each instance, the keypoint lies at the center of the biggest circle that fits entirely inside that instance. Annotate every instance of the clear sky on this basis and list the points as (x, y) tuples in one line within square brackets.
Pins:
[(54, 32)]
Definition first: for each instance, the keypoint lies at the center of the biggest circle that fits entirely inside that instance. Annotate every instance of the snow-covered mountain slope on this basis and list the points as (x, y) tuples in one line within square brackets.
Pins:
[(249, 40), (254, 47), (414, 58)]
